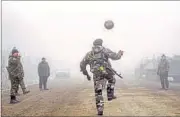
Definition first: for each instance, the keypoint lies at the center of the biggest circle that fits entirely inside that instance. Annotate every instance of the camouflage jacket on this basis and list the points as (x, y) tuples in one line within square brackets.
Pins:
[(15, 68), (88, 59), (163, 66)]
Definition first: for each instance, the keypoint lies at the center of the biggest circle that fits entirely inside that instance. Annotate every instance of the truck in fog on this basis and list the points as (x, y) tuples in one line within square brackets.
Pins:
[(174, 71), (63, 73), (148, 68)]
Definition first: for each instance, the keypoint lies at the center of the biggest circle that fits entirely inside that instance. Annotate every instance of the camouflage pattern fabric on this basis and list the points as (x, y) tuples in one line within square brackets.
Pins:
[(98, 60), (16, 73)]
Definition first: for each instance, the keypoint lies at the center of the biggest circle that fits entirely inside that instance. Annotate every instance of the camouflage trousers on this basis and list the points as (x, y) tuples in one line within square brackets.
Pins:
[(98, 89), (15, 82), (22, 85), (164, 80)]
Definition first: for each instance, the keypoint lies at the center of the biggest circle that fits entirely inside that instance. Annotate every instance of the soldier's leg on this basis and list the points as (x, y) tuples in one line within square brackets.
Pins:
[(17, 94), (14, 88), (17, 89), (110, 87), (162, 81), (98, 95), (104, 85), (23, 87), (40, 82)]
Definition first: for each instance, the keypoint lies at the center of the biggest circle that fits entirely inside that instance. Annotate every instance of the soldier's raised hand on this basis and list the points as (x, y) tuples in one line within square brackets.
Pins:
[(121, 52)]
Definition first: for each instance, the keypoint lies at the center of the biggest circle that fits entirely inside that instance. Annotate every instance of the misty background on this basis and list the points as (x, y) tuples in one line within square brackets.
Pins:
[(63, 31)]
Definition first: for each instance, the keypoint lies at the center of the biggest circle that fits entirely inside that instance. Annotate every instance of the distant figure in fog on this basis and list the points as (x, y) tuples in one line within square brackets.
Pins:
[(44, 73), (163, 69)]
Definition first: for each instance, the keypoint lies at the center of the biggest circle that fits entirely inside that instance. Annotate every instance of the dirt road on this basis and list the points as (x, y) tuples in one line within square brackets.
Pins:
[(72, 97)]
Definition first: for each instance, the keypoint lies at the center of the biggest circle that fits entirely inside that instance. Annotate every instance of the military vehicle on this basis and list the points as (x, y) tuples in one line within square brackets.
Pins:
[(174, 70), (148, 68), (63, 73)]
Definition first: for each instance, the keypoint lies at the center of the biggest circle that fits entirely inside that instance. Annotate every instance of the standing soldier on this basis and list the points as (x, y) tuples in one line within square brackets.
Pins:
[(97, 58), (15, 75), (163, 69), (44, 73), (21, 83)]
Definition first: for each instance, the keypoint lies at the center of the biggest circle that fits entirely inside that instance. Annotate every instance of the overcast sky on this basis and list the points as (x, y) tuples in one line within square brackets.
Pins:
[(65, 30)]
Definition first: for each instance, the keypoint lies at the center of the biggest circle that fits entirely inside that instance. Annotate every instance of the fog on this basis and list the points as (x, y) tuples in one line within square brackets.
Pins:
[(63, 31)]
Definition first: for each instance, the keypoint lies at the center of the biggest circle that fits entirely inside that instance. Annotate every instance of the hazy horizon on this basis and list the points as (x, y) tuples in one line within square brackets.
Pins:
[(64, 30)]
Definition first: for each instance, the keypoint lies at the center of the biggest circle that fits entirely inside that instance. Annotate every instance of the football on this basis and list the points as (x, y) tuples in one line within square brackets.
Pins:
[(109, 24)]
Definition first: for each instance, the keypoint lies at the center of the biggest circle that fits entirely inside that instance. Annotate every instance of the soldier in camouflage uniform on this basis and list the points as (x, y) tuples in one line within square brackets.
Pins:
[(163, 69), (97, 58), (22, 84), (15, 75)]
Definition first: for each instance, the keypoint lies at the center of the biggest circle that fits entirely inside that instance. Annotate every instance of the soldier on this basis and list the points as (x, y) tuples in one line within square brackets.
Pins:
[(15, 75), (97, 58), (21, 83), (44, 73), (163, 69)]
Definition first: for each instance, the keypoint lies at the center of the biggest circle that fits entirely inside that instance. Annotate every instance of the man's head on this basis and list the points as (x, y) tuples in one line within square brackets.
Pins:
[(98, 42), (14, 50), (43, 59)]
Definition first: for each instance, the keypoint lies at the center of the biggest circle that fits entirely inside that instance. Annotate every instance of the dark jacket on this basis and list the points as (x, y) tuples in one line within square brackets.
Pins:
[(43, 69)]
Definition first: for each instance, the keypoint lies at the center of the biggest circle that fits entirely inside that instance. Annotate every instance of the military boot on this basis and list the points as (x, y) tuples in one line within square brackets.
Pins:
[(13, 100), (25, 92), (114, 97), (111, 98), (100, 110)]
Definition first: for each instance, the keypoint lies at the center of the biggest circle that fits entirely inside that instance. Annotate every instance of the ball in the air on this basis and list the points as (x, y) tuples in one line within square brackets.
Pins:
[(109, 24)]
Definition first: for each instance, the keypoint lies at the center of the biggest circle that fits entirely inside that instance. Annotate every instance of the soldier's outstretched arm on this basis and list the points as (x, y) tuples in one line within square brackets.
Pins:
[(84, 62), (113, 55), (83, 65)]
